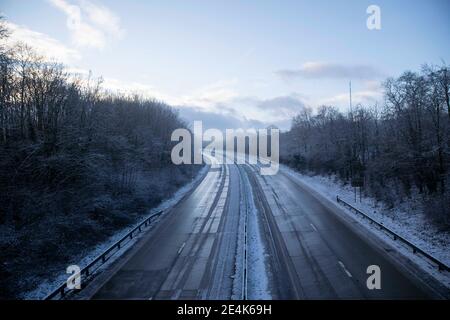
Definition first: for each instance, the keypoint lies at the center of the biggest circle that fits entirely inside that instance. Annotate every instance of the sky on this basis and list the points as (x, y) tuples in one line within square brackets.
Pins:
[(247, 63)]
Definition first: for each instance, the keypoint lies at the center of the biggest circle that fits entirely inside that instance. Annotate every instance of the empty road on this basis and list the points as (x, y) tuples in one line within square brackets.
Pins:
[(240, 235)]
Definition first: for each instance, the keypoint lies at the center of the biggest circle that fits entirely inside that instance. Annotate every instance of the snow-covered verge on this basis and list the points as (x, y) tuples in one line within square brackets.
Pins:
[(407, 220), (257, 285), (258, 282), (46, 287)]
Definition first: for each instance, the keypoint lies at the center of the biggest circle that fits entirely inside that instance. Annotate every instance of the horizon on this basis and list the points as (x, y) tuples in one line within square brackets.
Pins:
[(239, 67)]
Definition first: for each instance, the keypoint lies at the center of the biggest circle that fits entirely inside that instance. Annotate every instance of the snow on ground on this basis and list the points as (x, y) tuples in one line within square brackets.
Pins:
[(257, 273), (258, 282), (239, 259), (47, 287), (407, 220)]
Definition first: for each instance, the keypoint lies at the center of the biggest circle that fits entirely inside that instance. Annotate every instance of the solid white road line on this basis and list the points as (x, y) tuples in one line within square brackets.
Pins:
[(181, 248), (345, 269)]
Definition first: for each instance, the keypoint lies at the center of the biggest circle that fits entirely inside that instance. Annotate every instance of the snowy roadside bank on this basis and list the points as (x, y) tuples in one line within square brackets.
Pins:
[(257, 282), (406, 219), (48, 286)]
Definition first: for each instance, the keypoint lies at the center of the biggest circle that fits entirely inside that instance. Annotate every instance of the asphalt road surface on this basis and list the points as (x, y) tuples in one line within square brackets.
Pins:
[(240, 235)]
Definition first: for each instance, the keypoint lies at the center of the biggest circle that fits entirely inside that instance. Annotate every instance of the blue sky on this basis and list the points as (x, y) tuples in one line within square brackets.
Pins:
[(237, 63)]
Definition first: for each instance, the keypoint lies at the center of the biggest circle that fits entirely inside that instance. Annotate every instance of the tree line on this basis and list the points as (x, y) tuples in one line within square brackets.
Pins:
[(54, 125), (393, 151), (76, 163)]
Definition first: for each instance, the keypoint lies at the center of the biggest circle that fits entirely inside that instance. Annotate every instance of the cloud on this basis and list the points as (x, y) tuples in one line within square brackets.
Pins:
[(135, 88), (246, 112), (216, 120), (205, 98), (103, 18), (211, 95), (285, 106), (323, 70), (43, 44), (228, 121), (218, 105), (77, 71), (370, 93), (91, 25), (362, 97)]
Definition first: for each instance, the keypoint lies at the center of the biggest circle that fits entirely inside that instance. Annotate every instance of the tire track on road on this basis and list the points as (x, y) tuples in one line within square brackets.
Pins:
[(286, 277)]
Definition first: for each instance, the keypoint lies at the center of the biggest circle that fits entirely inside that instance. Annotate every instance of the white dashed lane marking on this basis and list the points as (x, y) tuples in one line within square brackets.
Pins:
[(181, 248), (345, 269)]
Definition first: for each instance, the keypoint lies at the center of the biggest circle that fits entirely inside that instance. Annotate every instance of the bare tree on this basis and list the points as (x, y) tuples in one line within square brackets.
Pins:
[(400, 146)]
